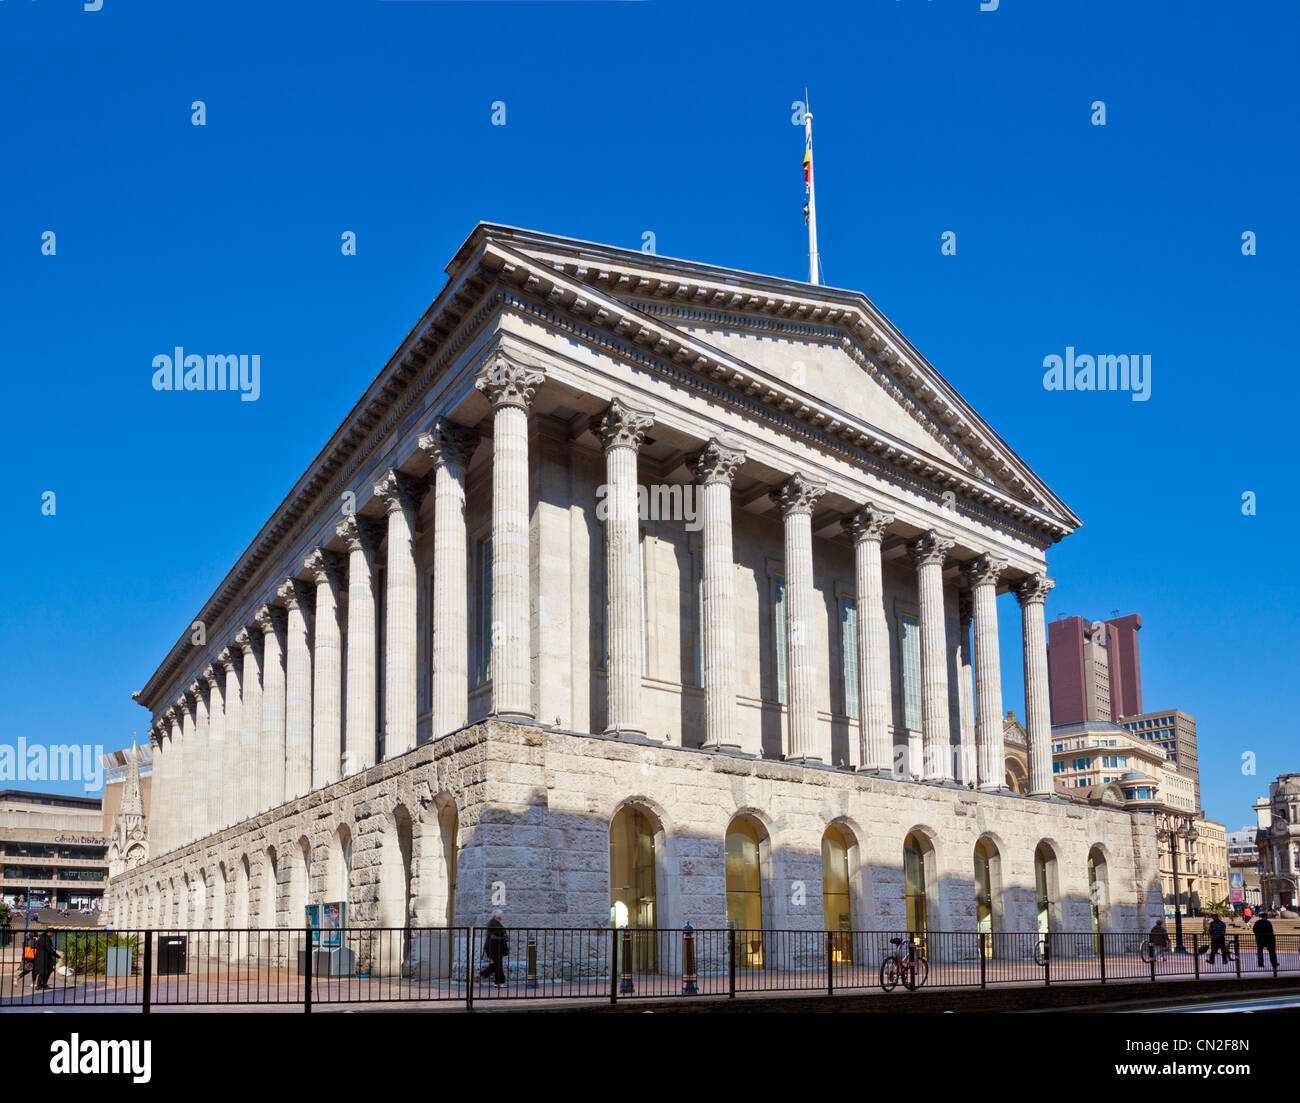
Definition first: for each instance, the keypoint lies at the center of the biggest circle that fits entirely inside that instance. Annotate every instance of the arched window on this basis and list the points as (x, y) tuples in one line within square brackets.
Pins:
[(1045, 888), (836, 907), (633, 900), (340, 869), (986, 863), (745, 891), (267, 911), (299, 859), (1098, 894), (918, 854)]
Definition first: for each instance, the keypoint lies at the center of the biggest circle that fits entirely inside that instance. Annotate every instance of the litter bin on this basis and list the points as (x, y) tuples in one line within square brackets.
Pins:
[(172, 949), (118, 961)]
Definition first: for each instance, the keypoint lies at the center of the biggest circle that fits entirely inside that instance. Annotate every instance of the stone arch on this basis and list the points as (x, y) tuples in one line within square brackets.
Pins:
[(433, 909), (298, 885), (395, 844), (748, 872), (242, 879), (859, 869), (219, 898), (921, 901), (338, 871), (199, 888), (268, 914), (990, 891), (181, 892), (1047, 886), (1099, 891)]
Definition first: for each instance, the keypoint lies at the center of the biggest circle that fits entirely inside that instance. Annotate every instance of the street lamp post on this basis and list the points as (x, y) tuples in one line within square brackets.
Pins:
[(1175, 829)]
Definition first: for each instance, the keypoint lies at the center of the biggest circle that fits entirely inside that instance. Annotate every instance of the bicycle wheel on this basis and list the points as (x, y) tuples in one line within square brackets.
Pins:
[(916, 977), (1040, 952), (889, 971), (1148, 953)]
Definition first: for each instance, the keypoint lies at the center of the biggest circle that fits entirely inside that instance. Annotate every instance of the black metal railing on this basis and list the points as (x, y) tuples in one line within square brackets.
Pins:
[(305, 968)]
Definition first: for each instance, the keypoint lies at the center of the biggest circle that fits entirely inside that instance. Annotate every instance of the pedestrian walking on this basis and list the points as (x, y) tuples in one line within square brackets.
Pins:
[(1265, 940), (28, 964), (496, 945), (1218, 939), (44, 960), (1159, 937)]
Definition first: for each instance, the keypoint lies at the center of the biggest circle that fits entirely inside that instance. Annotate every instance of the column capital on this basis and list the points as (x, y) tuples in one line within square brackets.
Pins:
[(623, 426), (292, 592), (244, 639), (869, 522), (324, 566), (211, 677), (169, 715), (270, 618), (360, 533), (400, 491), (717, 463), (985, 571), (156, 736), (1033, 590), (933, 547), (505, 383), (798, 494), (448, 444), (225, 659), (193, 695)]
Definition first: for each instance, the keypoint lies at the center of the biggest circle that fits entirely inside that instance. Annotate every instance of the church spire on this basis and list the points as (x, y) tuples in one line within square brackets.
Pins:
[(132, 801)]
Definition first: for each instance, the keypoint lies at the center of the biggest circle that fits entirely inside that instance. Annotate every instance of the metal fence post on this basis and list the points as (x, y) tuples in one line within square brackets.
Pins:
[(531, 980), (148, 972), (1047, 959), (1153, 965), (1236, 953), (469, 969), (1102, 938), (1196, 958), (830, 964), (613, 965), (731, 961), (306, 973), (984, 964)]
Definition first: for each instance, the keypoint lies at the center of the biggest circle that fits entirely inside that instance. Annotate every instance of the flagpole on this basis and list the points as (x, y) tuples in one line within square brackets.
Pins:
[(814, 261)]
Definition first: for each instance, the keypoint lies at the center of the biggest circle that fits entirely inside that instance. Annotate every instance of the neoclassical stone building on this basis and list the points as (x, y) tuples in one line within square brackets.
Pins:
[(632, 589)]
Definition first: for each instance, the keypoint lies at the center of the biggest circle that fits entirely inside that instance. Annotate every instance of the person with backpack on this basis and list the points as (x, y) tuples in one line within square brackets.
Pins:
[(496, 945)]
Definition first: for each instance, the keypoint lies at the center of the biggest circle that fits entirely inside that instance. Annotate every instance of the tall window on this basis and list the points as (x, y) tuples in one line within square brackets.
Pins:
[(483, 611), (745, 892), (849, 651), (984, 856), (1044, 863), (835, 892), (909, 637), (778, 634), (632, 881)]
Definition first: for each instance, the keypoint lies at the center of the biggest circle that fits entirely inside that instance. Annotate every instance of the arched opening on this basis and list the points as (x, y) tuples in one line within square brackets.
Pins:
[(837, 907), (200, 916), (395, 870), (241, 893), (268, 914), (339, 873), (988, 893), (449, 835), (182, 894), (1098, 895), (745, 845), (1046, 889), (918, 877), (299, 871), (633, 897)]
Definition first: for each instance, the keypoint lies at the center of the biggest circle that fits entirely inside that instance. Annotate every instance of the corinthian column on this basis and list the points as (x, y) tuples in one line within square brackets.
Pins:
[(875, 708), (965, 689), (450, 448), (326, 569), (362, 537), (1032, 594), (178, 800), (796, 499), (198, 761), (233, 780), (250, 792), (984, 574), (401, 496), (621, 430), (213, 684), (159, 788), (510, 388), (929, 552), (270, 621), (715, 469), (297, 688)]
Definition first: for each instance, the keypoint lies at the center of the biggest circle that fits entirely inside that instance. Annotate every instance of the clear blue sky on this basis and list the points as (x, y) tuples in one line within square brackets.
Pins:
[(671, 117)]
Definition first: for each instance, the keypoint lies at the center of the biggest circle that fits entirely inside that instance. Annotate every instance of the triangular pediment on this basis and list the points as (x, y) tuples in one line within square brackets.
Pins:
[(826, 355)]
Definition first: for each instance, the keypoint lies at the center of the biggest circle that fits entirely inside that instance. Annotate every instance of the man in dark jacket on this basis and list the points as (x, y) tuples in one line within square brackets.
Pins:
[(495, 948), (1264, 940), (43, 965), (1218, 939)]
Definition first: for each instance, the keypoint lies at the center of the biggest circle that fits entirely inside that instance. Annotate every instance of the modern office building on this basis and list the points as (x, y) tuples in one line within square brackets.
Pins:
[(1175, 732), (1094, 668), (52, 851)]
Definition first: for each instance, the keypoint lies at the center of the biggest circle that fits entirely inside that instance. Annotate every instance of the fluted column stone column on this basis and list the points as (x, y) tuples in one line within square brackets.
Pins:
[(233, 780), (360, 731), (214, 685), (796, 499), (198, 761), (875, 705), (326, 570), (159, 789), (401, 496), (510, 388), (715, 470), (296, 596), (1032, 594), (450, 448), (984, 574), (178, 798), (967, 768), (271, 622), (621, 431), (250, 792), (929, 552)]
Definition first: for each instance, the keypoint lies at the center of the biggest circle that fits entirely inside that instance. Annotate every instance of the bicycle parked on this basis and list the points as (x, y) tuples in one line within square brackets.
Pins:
[(906, 966)]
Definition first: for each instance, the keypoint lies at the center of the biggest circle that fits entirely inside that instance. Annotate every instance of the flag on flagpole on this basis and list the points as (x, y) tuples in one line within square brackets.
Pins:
[(810, 202), (807, 176)]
